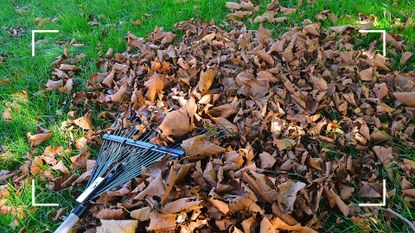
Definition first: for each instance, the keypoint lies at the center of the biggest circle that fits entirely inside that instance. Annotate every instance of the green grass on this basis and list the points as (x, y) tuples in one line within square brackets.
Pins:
[(115, 19)]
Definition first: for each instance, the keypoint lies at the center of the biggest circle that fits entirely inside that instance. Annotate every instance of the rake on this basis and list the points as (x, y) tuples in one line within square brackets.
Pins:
[(123, 155)]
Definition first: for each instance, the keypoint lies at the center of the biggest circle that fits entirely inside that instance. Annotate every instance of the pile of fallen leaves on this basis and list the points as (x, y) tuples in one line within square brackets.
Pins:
[(320, 119)]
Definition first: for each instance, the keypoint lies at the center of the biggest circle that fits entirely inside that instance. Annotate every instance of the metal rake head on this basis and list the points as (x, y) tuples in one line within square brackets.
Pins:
[(123, 154), (127, 150)]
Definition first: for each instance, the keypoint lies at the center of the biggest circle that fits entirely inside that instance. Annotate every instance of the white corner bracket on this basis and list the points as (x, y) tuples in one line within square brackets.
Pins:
[(377, 204), (39, 31), (383, 37), (33, 198)]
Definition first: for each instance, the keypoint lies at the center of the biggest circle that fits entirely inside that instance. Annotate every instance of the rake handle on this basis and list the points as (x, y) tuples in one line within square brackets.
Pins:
[(67, 225), (72, 219)]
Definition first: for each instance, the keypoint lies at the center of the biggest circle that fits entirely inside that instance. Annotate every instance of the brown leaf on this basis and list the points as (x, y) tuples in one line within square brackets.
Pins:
[(239, 15), (35, 166), (168, 38), (110, 214), (224, 111), (81, 143), (179, 205), (54, 85), (248, 224), (267, 160), (366, 75), (5, 174), (225, 223), (266, 226), (61, 167), (312, 29), (117, 226), (79, 161), (233, 6), (346, 192), (85, 122), (266, 57), (161, 222), (157, 186), (199, 147), (67, 88), (406, 98), (66, 67), (380, 90), (285, 144), (263, 34), (142, 214), (409, 164), (58, 214), (206, 80), (281, 225), (117, 97), (405, 57), (333, 197), (225, 123), (384, 155), (288, 194), (288, 11), (42, 135), (368, 191), (176, 123), (109, 79), (233, 161), (7, 116), (261, 185), (380, 62), (123, 191), (155, 85), (220, 205), (280, 19), (319, 83), (244, 204)]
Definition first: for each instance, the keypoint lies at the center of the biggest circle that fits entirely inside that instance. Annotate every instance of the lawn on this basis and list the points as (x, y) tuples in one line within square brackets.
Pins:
[(98, 25)]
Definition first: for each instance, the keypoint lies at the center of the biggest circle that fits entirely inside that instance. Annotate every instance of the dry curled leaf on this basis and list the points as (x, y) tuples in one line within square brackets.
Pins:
[(7, 116), (405, 57), (110, 214), (67, 88), (61, 167), (367, 74), (66, 67), (54, 85), (288, 194), (42, 135), (84, 122), (233, 5), (117, 226), (176, 123), (220, 205), (155, 84), (36, 165), (142, 214), (239, 15), (407, 98), (266, 226), (199, 147), (79, 161), (206, 80), (161, 222), (261, 185)]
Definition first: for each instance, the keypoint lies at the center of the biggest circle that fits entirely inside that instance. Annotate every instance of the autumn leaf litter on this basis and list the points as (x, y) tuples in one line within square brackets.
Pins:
[(309, 106)]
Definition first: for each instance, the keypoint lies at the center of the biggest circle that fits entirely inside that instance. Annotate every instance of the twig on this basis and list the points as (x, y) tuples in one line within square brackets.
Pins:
[(410, 224)]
